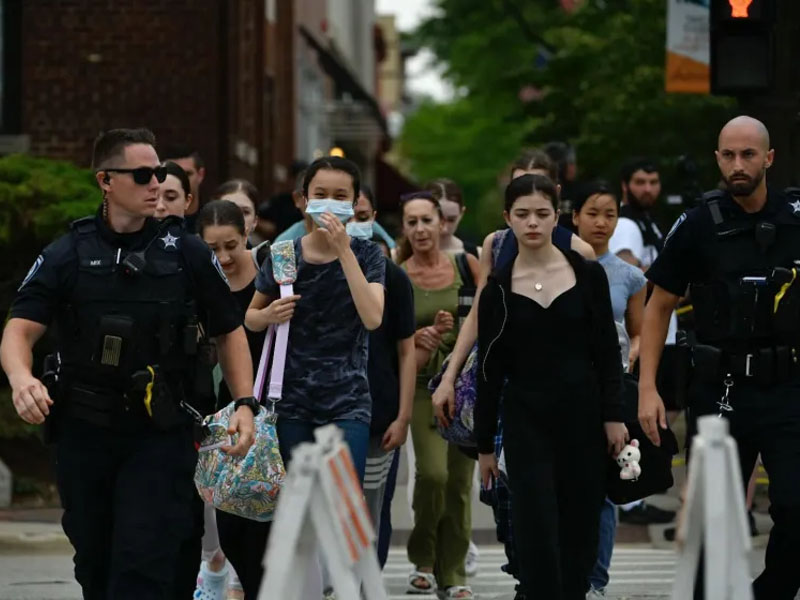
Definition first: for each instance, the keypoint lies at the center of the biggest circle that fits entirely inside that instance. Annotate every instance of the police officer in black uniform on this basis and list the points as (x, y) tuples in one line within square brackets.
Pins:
[(126, 294), (739, 255)]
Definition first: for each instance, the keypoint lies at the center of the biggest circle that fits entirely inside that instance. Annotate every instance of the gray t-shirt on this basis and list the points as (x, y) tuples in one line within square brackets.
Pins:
[(326, 362), (624, 280)]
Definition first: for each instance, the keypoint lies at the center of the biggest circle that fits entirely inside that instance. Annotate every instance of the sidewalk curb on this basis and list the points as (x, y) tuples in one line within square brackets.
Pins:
[(38, 543)]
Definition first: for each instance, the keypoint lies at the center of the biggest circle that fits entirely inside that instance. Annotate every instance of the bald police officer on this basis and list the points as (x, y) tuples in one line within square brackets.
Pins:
[(126, 294), (738, 253)]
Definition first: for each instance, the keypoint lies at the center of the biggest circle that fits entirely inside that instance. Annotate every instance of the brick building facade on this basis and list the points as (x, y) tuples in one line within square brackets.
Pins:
[(214, 74)]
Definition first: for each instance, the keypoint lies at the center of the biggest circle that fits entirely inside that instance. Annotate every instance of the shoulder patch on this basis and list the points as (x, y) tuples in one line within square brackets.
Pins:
[(675, 226), (37, 264), (795, 207), (218, 267)]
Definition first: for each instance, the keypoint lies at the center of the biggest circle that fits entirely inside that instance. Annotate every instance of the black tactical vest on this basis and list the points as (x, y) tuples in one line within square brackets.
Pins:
[(128, 310), (752, 295)]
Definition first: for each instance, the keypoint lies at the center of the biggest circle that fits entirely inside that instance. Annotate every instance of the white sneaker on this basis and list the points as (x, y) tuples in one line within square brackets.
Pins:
[(471, 562), (594, 594)]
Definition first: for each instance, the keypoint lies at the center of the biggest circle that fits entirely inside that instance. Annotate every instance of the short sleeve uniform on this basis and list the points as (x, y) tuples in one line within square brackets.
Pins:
[(47, 289), (326, 361), (683, 259)]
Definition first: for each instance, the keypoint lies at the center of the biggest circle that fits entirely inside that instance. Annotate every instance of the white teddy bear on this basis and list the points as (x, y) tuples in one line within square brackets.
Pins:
[(628, 460)]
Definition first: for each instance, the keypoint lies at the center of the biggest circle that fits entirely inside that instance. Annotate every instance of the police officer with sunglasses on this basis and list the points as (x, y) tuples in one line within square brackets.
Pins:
[(128, 297)]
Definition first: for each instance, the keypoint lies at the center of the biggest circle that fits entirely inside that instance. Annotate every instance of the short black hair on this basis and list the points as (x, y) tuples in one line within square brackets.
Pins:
[(535, 159), (527, 185), (220, 212), (367, 192), (112, 143), (637, 163), (333, 163), (178, 151), (593, 188), (176, 170)]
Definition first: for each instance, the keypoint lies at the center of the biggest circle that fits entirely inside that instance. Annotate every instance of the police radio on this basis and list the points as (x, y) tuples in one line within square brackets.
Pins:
[(134, 263)]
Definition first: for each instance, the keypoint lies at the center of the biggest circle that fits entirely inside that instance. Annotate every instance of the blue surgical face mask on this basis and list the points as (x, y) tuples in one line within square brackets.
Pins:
[(341, 209), (360, 229)]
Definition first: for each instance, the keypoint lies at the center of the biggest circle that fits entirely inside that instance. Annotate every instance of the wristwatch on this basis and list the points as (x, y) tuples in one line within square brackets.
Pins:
[(250, 402)]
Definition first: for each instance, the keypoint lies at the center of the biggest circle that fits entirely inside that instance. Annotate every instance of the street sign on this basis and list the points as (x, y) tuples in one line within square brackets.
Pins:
[(322, 508)]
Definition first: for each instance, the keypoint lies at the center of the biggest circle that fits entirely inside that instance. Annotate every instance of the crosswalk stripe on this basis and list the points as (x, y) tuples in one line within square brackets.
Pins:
[(644, 570)]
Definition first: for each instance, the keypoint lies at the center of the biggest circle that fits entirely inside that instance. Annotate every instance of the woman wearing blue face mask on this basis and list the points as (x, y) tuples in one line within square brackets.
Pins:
[(340, 288)]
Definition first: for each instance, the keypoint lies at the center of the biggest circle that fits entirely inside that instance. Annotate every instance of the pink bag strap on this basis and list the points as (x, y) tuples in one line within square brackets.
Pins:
[(258, 388), (279, 359)]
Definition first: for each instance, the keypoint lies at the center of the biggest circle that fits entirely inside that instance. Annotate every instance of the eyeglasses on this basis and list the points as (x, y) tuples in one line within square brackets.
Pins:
[(142, 175)]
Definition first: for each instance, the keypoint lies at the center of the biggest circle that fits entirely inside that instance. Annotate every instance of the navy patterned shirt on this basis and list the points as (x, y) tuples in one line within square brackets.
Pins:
[(326, 363)]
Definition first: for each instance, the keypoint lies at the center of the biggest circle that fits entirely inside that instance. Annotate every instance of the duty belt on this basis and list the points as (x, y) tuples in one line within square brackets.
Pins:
[(765, 366)]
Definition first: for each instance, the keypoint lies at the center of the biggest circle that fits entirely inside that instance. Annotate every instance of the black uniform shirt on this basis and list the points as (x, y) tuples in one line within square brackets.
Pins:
[(49, 281), (686, 256)]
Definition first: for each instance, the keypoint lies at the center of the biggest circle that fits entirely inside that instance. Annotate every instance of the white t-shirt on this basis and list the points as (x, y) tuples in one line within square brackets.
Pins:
[(628, 236)]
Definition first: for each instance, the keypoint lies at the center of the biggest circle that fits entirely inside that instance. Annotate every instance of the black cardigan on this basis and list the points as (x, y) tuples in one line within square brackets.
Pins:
[(492, 315)]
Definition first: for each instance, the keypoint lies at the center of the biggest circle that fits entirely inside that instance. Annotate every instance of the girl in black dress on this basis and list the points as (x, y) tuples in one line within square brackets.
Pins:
[(546, 330)]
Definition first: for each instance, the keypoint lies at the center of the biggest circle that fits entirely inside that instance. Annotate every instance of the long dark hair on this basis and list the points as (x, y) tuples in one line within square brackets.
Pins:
[(527, 185), (445, 189), (535, 159), (218, 213), (238, 185), (176, 170)]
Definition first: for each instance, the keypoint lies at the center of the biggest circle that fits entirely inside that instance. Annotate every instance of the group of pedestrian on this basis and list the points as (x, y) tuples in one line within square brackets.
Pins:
[(137, 289)]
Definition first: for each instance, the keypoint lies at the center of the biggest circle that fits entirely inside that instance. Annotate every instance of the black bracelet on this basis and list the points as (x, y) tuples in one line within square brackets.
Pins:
[(250, 402)]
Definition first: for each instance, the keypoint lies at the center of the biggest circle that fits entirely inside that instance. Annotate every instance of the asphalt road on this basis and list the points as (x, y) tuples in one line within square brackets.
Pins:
[(638, 573)]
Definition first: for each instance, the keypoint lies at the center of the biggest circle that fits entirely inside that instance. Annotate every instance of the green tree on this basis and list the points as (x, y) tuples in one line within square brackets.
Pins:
[(597, 77), (39, 197)]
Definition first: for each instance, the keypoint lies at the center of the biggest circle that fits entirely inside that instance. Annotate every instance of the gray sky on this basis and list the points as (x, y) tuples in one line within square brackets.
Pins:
[(421, 76)]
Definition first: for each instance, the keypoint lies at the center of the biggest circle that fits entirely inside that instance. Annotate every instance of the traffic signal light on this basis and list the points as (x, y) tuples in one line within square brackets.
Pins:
[(741, 45)]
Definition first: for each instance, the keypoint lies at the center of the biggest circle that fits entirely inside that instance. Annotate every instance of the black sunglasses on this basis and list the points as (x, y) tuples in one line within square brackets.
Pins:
[(143, 175)]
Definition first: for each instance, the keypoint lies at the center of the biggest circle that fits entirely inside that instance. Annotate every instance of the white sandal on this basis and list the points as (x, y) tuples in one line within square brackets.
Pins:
[(414, 588), (452, 593)]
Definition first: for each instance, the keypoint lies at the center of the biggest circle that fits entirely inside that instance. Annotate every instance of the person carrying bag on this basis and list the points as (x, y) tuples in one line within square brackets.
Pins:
[(248, 487)]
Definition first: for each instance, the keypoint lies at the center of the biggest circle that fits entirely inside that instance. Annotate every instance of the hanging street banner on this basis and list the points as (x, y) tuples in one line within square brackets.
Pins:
[(688, 48)]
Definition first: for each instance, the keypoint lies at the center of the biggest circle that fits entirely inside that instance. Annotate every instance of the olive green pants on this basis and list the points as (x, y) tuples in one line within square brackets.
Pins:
[(442, 498)]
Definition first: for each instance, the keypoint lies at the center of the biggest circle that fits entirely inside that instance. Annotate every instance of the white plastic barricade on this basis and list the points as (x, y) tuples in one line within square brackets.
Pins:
[(322, 508), (715, 521)]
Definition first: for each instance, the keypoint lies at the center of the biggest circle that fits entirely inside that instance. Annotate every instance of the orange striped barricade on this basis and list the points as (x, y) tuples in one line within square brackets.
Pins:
[(321, 507), (715, 521)]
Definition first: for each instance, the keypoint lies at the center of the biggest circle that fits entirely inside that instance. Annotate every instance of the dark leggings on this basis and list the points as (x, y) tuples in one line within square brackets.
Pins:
[(189, 555), (244, 543)]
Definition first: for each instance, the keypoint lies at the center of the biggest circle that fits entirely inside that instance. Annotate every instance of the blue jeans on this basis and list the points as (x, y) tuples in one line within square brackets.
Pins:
[(608, 530), (385, 533), (292, 432)]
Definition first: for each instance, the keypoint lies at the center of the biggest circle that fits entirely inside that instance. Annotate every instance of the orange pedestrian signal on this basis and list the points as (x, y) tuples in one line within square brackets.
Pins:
[(740, 9)]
